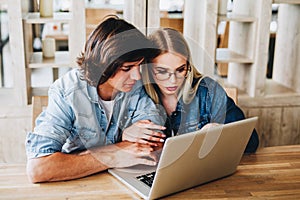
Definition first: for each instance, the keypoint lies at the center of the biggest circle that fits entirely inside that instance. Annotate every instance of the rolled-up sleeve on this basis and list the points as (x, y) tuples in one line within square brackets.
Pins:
[(52, 128), (38, 145)]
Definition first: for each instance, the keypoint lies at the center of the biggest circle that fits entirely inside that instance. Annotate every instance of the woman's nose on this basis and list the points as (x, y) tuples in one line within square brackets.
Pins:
[(172, 78)]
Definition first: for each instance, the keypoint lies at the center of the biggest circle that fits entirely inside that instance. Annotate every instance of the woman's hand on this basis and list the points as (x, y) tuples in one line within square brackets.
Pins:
[(210, 125), (144, 132)]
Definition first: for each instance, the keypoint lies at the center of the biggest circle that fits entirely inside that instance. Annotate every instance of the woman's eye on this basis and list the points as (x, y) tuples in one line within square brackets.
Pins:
[(162, 72), (181, 70)]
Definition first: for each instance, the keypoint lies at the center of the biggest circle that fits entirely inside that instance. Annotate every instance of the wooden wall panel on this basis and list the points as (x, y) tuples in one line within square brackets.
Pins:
[(290, 126), (94, 16), (276, 125), (175, 23)]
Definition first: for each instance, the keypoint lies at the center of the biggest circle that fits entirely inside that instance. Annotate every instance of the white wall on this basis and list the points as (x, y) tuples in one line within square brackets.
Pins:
[(15, 122)]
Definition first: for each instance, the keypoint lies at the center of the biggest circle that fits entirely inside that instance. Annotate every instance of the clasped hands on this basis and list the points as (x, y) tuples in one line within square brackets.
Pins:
[(142, 143)]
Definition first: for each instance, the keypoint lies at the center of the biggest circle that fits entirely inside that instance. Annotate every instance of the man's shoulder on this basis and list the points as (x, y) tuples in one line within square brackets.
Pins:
[(72, 75), (70, 81)]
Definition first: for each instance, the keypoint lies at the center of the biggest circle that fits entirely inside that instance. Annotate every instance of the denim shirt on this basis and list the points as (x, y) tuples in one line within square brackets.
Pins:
[(74, 119), (210, 105)]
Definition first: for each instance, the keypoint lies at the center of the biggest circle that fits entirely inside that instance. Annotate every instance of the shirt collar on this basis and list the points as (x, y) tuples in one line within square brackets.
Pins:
[(94, 97)]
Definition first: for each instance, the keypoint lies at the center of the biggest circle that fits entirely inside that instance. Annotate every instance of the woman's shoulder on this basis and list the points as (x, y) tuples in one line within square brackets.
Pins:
[(206, 81), (210, 85)]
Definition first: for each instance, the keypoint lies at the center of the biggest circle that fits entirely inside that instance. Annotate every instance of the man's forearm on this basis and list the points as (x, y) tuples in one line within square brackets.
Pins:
[(60, 166)]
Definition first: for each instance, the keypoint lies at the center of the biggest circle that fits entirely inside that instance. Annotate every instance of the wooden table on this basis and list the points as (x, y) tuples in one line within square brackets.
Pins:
[(271, 173)]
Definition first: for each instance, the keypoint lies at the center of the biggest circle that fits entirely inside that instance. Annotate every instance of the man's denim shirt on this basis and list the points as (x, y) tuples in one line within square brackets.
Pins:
[(75, 121), (210, 105)]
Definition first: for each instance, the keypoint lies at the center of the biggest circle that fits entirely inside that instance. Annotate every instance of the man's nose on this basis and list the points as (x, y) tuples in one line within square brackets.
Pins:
[(135, 73)]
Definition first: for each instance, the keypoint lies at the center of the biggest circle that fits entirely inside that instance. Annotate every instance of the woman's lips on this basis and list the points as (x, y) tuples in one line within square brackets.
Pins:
[(172, 88)]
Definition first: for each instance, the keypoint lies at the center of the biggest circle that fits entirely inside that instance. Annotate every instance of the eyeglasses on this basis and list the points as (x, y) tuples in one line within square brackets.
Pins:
[(180, 73)]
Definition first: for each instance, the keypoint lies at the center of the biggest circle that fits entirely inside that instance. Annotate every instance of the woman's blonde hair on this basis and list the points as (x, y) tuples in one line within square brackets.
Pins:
[(171, 41)]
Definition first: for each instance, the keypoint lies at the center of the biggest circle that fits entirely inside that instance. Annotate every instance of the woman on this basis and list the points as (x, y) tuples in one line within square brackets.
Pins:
[(191, 101)]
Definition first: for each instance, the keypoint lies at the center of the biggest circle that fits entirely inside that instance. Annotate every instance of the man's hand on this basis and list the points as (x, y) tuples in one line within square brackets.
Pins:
[(144, 132), (126, 154)]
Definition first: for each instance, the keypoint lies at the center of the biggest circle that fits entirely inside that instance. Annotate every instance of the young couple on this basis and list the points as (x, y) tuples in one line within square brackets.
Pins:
[(105, 114)]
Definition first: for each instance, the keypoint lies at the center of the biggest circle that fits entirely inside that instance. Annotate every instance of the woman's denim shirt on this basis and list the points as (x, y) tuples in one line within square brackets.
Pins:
[(75, 121), (210, 105)]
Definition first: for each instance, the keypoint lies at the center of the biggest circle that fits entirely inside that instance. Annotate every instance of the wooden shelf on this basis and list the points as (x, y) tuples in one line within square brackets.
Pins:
[(34, 18), (287, 1), (275, 95), (224, 55), (39, 91), (61, 59), (236, 18)]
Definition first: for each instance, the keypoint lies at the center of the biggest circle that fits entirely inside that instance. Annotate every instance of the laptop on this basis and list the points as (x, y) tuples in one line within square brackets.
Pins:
[(190, 159)]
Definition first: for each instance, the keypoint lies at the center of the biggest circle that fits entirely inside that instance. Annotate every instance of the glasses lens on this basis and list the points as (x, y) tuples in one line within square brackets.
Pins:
[(181, 73), (162, 75)]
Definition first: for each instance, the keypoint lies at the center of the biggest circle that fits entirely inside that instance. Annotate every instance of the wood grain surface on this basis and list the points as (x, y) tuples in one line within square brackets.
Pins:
[(271, 173)]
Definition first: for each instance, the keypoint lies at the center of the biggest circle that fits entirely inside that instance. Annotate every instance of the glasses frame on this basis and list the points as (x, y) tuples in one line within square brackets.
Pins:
[(173, 73)]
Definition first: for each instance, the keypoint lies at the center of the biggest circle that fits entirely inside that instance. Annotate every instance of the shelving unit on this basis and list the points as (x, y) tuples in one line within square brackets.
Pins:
[(224, 55), (61, 59), (227, 55), (275, 101), (236, 18), (76, 38), (286, 67), (249, 36), (34, 18)]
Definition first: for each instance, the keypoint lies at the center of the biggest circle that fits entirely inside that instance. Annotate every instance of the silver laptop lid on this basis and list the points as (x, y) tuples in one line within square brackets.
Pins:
[(195, 158)]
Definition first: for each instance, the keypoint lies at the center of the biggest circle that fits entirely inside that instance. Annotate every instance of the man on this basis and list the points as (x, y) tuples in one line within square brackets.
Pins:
[(80, 132)]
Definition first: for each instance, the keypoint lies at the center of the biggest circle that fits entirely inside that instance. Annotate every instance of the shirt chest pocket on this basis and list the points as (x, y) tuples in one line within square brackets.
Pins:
[(85, 132), (188, 126), (81, 138), (193, 123)]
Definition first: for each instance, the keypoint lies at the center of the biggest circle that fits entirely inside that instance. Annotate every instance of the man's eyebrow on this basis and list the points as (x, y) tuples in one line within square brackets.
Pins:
[(131, 65)]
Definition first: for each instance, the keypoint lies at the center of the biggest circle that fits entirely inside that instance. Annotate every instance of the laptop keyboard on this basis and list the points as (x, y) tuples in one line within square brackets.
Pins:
[(147, 178)]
